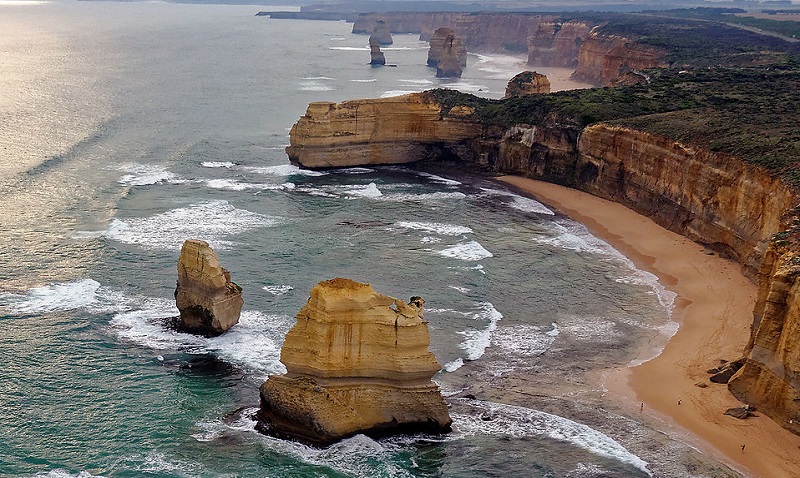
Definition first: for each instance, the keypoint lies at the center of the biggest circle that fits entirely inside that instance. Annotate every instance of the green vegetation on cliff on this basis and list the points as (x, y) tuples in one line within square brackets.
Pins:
[(753, 113)]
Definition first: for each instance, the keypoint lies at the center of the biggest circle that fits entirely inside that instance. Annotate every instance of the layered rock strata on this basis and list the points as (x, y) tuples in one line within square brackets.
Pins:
[(357, 362), (556, 43), (604, 58), (527, 83), (393, 130), (376, 57), (446, 46), (208, 301)]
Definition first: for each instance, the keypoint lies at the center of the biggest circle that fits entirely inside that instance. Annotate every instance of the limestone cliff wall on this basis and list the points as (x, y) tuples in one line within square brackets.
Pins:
[(555, 43), (603, 58), (399, 22), (381, 131)]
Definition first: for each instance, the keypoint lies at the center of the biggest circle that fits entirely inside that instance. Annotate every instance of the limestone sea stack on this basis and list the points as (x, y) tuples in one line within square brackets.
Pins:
[(208, 301), (357, 362), (376, 55), (445, 42), (381, 33), (527, 83)]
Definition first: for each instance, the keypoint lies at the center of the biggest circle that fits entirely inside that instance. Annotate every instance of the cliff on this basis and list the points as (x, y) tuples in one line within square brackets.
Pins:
[(555, 43), (603, 58), (527, 83), (357, 362), (769, 380), (380, 131), (208, 301)]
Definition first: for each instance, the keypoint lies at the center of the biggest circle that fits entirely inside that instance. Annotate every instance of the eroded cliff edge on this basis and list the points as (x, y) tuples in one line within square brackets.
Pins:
[(711, 196)]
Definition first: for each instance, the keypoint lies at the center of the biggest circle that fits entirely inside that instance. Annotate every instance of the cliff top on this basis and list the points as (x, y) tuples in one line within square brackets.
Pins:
[(753, 113)]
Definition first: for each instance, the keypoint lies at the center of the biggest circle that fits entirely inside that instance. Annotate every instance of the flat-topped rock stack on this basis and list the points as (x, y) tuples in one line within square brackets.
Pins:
[(208, 301), (357, 362), (376, 56), (527, 83), (447, 53)]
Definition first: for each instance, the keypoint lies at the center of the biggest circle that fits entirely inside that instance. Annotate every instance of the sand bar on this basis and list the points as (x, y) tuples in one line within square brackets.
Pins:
[(714, 310)]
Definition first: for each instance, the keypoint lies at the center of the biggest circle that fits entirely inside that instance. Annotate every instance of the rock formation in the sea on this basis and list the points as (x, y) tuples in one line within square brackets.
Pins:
[(376, 57), (446, 46), (356, 362), (381, 34), (394, 130), (527, 83), (208, 301)]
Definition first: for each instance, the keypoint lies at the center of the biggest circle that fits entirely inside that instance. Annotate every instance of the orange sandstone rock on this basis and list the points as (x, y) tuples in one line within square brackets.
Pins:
[(527, 83), (357, 362)]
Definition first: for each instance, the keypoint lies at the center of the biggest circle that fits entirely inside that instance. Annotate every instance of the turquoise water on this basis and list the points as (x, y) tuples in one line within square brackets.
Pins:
[(127, 128)]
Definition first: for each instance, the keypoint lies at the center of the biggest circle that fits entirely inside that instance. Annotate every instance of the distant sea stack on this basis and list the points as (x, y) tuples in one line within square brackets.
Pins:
[(376, 57), (445, 42), (381, 33), (527, 83), (208, 301), (357, 362)]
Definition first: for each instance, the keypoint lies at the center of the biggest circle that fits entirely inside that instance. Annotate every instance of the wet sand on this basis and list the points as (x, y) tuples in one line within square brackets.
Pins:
[(714, 310)]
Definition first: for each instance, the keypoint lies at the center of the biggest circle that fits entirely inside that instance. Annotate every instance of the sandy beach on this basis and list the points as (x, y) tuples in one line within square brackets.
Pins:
[(714, 310)]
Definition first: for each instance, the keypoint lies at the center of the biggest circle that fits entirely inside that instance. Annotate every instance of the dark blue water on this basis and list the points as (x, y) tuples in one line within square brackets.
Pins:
[(127, 128)]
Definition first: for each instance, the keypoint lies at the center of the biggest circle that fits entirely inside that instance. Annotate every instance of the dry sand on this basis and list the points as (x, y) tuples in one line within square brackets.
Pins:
[(714, 310)]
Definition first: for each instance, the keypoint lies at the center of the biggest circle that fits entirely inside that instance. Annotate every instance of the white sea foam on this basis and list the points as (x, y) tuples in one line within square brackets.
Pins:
[(463, 290), (430, 240), (392, 93), (590, 329), (368, 191), (157, 463), (65, 474), (371, 80), (253, 343), (476, 341), (217, 164), (286, 170), (425, 197), (350, 48), (314, 86), (353, 170), (497, 419), (417, 81), (278, 289), (520, 203), (317, 78), (453, 365), (575, 237), (234, 185), (435, 227), (522, 340), (145, 174), (53, 297), (439, 179), (466, 251), (210, 221)]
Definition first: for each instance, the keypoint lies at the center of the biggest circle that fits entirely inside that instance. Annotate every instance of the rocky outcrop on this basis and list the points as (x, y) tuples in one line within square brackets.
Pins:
[(447, 52), (713, 198), (381, 34), (527, 83), (603, 58), (556, 43), (208, 301), (379, 131), (356, 362), (770, 376), (376, 57)]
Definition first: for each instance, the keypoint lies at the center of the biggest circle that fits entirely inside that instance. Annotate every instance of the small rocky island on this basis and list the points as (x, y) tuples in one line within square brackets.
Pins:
[(357, 362), (208, 301), (447, 54)]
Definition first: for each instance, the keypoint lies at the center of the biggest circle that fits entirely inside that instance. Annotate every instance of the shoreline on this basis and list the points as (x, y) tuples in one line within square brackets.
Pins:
[(713, 308)]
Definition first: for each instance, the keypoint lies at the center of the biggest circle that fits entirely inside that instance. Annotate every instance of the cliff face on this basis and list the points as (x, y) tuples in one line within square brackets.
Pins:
[(398, 22), (770, 377), (357, 362), (527, 83), (380, 131), (603, 58), (554, 43)]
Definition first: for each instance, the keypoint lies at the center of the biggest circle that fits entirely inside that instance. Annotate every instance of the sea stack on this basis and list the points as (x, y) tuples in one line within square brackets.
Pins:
[(527, 83), (208, 301), (444, 45), (357, 362), (376, 55), (381, 33)]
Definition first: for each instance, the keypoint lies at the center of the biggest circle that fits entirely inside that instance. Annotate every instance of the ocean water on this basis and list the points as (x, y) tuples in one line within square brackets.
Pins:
[(126, 128)]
